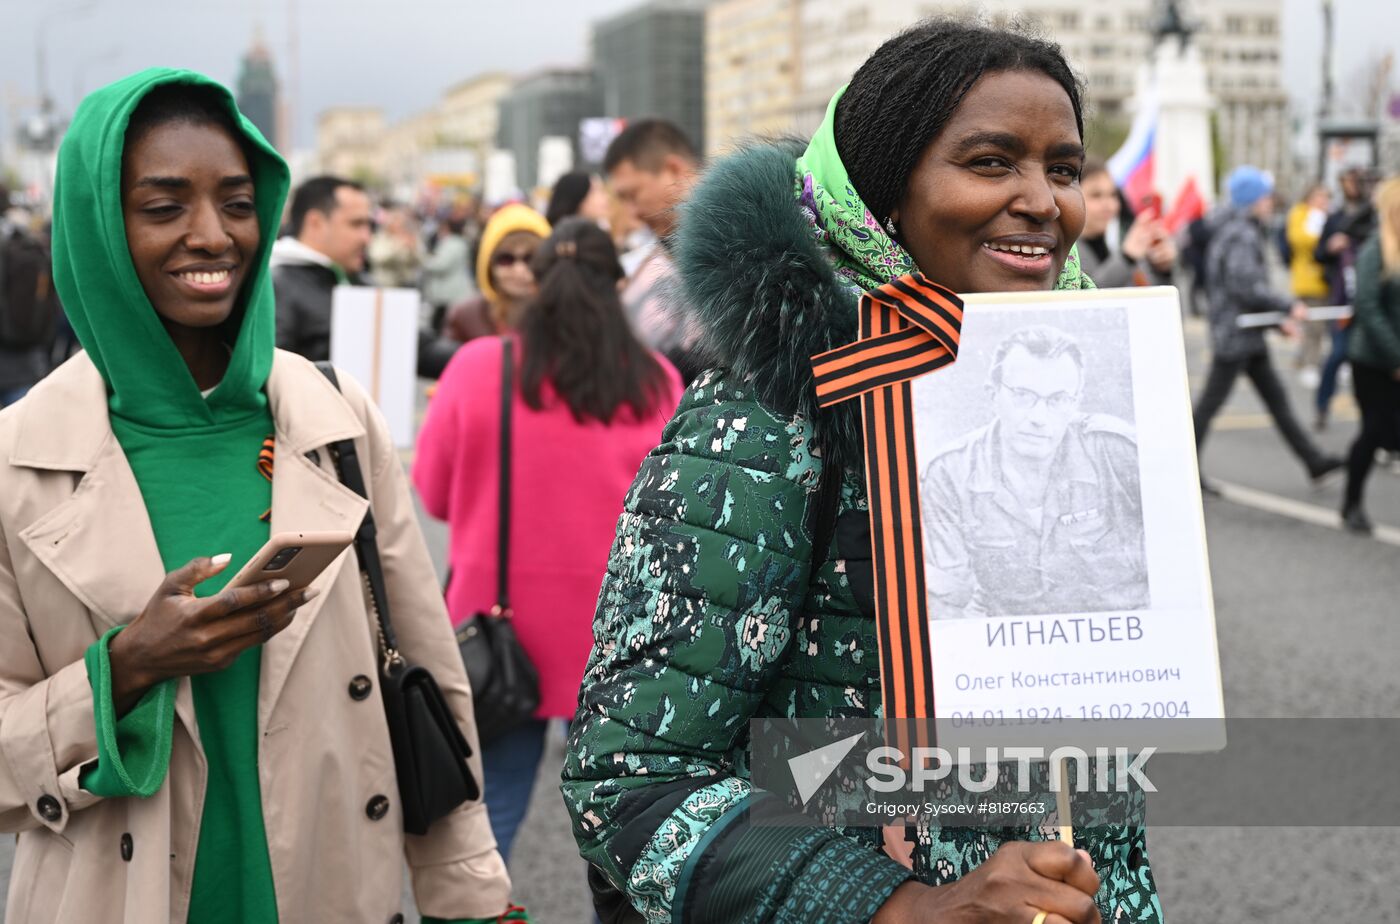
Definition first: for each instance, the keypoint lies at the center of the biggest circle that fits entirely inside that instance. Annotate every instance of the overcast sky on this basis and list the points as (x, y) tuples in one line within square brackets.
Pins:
[(400, 54)]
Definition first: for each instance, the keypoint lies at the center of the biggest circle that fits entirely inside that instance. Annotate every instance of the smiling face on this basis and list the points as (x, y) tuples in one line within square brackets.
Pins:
[(994, 203), (191, 226), (1035, 401)]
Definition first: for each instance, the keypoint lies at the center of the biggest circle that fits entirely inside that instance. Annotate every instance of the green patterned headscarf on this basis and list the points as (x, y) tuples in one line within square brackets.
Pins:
[(861, 250)]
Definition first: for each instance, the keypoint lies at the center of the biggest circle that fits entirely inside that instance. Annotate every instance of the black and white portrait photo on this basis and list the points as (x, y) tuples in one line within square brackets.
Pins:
[(1030, 485), (1063, 538)]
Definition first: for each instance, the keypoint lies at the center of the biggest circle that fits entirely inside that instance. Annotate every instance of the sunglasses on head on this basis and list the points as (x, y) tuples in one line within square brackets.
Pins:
[(510, 259)]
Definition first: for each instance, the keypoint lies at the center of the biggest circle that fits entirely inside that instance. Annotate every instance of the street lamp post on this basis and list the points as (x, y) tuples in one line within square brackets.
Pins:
[(1325, 106), (41, 45)]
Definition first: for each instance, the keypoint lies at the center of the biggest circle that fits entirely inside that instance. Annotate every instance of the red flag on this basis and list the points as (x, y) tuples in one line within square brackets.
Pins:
[(1187, 207)]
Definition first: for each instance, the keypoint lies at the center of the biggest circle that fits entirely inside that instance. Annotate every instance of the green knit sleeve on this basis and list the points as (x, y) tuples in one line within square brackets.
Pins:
[(133, 752)]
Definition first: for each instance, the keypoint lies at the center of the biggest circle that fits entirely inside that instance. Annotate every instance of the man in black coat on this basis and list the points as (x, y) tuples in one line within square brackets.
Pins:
[(330, 229)]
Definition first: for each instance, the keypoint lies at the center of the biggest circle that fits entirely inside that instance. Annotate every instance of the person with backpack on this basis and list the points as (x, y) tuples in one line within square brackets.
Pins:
[(1239, 283), (1195, 238), (29, 308)]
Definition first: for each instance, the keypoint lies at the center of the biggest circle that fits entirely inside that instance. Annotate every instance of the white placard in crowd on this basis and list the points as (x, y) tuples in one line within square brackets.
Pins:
[(1064, 544), (374, 337), (500, 184), (556, 159)]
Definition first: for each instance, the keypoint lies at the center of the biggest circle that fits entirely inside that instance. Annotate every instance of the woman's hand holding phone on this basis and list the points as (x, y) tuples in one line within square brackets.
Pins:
[(179, 634)]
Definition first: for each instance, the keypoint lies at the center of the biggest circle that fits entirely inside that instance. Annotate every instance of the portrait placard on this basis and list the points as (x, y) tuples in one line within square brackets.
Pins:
[(1063, 543), (374, 337)]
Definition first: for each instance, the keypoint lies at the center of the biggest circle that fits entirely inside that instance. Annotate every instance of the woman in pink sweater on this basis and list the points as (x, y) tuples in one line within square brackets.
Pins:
[(589, 403)]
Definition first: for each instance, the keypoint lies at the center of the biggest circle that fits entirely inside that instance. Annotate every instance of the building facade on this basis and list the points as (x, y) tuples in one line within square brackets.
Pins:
[(1240, 43), (404, 150), (545, 104), (751, 73), (470, 114), (650, 62), (350, 142)]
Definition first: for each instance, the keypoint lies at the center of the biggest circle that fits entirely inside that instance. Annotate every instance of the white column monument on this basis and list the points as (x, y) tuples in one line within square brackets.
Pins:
[(1183, 146)]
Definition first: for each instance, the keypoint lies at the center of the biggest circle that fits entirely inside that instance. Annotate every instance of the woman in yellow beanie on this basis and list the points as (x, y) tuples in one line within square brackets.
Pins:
[(503, 274)]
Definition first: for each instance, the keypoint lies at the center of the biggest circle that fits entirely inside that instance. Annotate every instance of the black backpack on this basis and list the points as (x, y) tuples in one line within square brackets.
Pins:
[(1196, 243), (29, 306)]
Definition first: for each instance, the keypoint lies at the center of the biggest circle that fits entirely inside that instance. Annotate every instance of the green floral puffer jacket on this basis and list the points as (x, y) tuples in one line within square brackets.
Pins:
[(712, 613)]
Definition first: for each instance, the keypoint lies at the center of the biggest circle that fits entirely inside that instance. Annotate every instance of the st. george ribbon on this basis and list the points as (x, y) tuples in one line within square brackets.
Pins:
[(908, 327)]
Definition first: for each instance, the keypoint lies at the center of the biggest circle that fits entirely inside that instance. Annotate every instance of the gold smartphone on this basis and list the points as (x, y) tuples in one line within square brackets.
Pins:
[(295, 557)]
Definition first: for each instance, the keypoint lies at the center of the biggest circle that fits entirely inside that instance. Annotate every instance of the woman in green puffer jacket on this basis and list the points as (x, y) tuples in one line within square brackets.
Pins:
[(951, 142)]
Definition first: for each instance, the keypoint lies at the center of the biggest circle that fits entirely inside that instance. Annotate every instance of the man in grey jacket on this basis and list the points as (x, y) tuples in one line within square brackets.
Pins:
[(1239, 277)]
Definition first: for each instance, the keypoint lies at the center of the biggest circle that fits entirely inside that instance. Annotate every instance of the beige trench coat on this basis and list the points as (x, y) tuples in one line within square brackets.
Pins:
[(77, 556)]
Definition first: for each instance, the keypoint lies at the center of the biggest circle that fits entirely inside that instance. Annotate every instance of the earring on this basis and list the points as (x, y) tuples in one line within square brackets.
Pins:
[(890, 228)]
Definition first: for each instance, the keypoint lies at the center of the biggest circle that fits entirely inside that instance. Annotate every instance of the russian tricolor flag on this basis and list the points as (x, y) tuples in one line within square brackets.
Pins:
[(1131, 167)]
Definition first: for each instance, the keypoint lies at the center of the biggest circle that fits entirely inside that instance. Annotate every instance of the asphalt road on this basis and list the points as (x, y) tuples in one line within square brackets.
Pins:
[(1308, 619)]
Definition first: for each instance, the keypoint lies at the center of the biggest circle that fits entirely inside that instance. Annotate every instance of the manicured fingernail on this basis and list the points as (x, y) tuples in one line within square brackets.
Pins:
[(279, 586), (309, 594), (218, 561)]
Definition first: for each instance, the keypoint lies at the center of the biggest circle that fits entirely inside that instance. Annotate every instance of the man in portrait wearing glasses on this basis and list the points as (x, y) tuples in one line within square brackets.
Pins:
[(1040, 511)]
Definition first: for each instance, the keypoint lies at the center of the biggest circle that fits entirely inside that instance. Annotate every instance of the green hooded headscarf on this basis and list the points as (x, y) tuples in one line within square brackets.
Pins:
[(195, 461), (147, 380), (861, 250)]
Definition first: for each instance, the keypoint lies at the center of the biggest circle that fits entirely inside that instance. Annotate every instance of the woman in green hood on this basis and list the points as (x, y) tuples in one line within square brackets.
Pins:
[(955, 151), (202, 753)]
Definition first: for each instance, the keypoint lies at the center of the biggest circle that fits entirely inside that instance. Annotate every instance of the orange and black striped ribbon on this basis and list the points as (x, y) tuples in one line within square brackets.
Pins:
[(265, 456), (908, 327), (924, 337)]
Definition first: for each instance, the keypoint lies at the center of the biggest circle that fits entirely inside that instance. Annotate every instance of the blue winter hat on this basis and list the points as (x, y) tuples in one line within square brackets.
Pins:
[(1247, 185)]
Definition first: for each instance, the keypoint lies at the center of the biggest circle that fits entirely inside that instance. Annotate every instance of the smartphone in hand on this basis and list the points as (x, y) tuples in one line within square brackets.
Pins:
[(296, 557)]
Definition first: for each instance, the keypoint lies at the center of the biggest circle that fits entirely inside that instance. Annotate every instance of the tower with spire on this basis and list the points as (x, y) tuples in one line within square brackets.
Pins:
[(257, 89)]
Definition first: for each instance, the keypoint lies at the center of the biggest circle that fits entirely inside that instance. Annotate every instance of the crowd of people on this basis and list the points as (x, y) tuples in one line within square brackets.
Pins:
[(623, 396)]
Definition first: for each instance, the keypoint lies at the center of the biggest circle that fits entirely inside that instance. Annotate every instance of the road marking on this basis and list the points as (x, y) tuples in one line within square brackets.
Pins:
[(1297, 510), (1265, 422)]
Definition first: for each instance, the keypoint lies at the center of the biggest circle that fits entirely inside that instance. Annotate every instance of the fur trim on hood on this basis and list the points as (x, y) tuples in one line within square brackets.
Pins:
[(763, 292)]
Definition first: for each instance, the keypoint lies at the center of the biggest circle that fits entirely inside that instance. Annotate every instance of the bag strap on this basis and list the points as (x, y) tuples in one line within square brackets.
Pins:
[(347, 467), (504, 498)]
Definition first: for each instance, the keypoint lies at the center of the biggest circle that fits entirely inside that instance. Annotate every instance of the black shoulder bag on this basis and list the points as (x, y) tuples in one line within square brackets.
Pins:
[(505, 684), (430, 752)]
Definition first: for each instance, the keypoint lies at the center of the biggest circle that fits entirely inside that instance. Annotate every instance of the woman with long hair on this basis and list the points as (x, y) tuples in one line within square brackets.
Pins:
[(956, 152), (589, 403), (176, 748), (1374, 351)]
